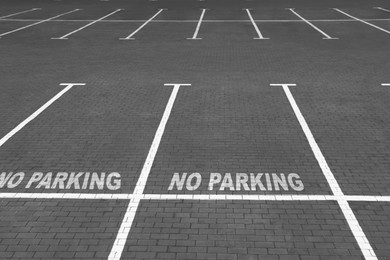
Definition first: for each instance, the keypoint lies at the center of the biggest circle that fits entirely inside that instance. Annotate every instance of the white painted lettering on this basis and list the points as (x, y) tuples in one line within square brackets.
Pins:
[(227, 182), (297, 185), (98, 181), (197, 181), (279, 182), (11, 184), (74, 180), (242, 179), (60, 180), (215, 178), (45, 182), (176, 180), (116, 183), (4, 178), (37, 176), (255, 181)]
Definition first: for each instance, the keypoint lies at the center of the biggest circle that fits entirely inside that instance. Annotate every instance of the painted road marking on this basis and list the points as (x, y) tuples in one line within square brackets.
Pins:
[(360, 20), (41, 21), (260, 36), (142, 26), (386, 84), (237, 181), (27, 11), (129, 196), (85, 26), (327, 37), (124, 229), (204, 21), (195, 36), (383, 9), (352, 221), (39, 111)]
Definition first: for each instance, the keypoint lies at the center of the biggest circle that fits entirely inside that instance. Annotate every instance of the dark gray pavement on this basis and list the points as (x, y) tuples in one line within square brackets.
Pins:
[(230, 122)]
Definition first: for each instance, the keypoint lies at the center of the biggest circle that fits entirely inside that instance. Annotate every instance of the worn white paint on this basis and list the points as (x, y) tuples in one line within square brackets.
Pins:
[(352, 221), (41, 21), (39, 111), (195, 36), (65, 37), (259, 34), (22, 12)]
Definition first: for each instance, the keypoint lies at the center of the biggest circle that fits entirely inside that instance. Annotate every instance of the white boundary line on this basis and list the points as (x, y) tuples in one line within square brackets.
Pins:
[(360, 20), (327, 37), (195, 36), (64, 37), (23, 12), (385, 84), (142, 26), (350, 217), (39, 111), (42, 21), (242, 197), (260, 36), (124, 229), (196, 21), (383, 9)]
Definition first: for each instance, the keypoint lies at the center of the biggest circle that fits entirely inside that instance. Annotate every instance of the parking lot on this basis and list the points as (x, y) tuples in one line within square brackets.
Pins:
[(194, 129)]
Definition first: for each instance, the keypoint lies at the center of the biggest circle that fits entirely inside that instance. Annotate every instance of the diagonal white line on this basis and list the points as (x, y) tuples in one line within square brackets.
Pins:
[(142, 26), (42, 21), (383, 9), (128, 219), (23, 12), (195, 36), (327, 37), (64, 37), (39, 111), (350, 217), (361, 20), (261, 37)]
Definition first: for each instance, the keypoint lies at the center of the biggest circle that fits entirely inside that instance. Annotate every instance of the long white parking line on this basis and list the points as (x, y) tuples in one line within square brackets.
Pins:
[(195, 36), (350, 217), (259, 34), (39, 111), (361, 20), (130, 37), (64, 37), (327, 37), (129, 196), (22, 12), (386, 84), (383, 9), (42, 21), (124, 229)]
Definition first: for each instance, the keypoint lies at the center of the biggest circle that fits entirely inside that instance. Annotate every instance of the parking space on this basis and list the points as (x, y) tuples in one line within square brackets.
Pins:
[(53, 229), (239, 230), (374, 218)]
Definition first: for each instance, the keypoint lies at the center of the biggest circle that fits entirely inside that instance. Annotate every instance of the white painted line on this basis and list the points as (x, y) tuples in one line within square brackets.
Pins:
[(27, 11), (130, 37), (360, 20), (350, 217), (195, 21), (327, 37), (195, 36), (39, 111), (383, 9), (260, 36), (42, 21), (386, 84), (125, 227), (127, 196), (64, 37)]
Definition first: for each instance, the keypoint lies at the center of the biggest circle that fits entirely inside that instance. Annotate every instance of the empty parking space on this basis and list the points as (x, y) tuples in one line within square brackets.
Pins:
[(53, 229), (374, 218), (239, 230)]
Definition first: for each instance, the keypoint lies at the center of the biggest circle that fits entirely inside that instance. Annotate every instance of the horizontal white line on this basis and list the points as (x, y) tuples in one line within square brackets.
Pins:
[(386, 84), (195, 21), (109, 196)]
